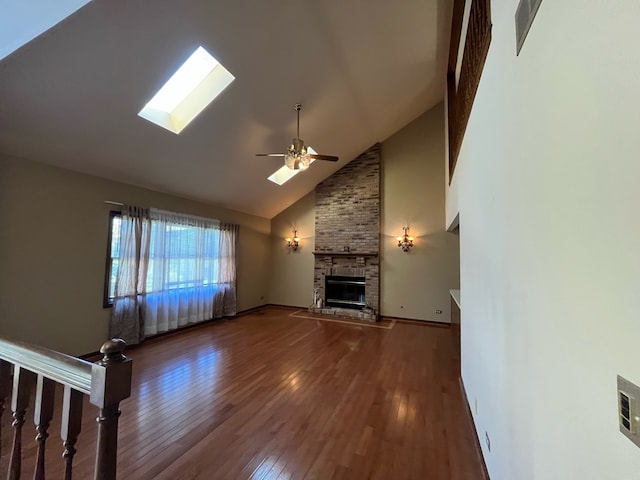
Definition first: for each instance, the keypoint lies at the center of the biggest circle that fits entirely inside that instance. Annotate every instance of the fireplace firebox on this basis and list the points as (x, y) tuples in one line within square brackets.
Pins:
[(345, 292)]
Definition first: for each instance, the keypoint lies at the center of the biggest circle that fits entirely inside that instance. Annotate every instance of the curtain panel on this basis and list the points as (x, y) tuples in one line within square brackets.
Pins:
[(189, 274), (126, 315), (227, 276)]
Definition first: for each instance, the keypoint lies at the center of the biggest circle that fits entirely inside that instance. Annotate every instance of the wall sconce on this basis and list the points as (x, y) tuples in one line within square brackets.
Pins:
[(293, 243), (405, 242)]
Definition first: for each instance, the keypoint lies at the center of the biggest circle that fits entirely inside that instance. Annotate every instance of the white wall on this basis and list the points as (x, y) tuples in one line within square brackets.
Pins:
[(452, 209), (53, 240), (547, 188)]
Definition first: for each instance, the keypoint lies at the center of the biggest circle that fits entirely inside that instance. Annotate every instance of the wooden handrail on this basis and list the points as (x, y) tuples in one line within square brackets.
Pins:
[(106, 383), (60, 368)]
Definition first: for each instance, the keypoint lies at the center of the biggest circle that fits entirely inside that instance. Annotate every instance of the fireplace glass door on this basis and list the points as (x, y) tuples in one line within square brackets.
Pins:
[(345, 292)]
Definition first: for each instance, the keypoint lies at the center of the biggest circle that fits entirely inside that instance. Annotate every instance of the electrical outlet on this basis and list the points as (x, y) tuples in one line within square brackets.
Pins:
[(438, 312), (487, 440)]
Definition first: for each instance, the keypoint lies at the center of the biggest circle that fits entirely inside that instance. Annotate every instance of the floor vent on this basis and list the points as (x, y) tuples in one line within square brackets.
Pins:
[(525, 14)]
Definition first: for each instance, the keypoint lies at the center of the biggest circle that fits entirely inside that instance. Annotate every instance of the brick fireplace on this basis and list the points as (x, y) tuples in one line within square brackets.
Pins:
[(348, 236)]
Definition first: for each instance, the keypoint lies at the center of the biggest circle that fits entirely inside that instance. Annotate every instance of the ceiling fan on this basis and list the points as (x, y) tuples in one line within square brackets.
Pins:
[(297, 157)]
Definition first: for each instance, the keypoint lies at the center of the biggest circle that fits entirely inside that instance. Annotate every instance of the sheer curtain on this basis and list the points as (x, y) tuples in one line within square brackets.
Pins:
[(191, 275), (126, 315)]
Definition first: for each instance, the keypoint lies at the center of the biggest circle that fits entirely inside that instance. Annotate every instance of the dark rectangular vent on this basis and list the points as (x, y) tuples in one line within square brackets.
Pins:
[(625, 411), (525, 14), (628, 414)]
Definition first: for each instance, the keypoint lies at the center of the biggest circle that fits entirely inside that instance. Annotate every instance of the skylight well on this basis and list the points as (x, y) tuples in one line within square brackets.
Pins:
[(189, 90)]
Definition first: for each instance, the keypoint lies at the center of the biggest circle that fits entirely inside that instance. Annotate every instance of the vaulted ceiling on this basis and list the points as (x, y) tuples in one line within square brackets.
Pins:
[(362, 69)]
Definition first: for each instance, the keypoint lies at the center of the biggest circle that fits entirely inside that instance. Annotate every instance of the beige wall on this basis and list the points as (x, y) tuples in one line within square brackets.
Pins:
[(547, 189), (53, 247), (415, 284), (292, 272)]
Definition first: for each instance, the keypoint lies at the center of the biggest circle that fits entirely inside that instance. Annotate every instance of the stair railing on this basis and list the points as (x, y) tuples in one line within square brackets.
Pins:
[(29, 371)]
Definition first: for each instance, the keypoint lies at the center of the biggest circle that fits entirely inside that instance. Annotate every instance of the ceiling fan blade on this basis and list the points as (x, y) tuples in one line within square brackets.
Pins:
[(330, 158), (269, 154)]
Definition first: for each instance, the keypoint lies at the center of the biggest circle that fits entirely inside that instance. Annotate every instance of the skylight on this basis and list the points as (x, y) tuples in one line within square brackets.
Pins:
[(189, 90), (284, 173)]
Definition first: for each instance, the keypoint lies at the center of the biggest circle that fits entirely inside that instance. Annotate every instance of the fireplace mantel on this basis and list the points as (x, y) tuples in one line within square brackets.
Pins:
[(346, 254)]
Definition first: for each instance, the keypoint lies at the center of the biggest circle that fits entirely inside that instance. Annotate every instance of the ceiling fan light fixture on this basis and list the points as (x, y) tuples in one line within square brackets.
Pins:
[(297, 157), (297, 161), (284, 173)]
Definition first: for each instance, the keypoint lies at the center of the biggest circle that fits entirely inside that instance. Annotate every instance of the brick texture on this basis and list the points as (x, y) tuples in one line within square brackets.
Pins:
[(348, 206), (348, 225)]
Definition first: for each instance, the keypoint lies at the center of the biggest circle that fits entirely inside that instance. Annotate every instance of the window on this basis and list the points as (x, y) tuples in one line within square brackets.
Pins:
[(184, 253), (166, 270), (181, 256), (113, 252)]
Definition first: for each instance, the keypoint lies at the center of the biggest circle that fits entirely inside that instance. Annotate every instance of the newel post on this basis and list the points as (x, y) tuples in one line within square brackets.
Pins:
[(110, 383)]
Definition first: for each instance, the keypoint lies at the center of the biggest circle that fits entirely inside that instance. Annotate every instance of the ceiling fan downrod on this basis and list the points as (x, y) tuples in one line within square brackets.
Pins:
[(297, 108)]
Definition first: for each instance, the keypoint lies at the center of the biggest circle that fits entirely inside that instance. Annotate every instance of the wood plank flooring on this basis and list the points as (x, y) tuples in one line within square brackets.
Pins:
[(270, 396)]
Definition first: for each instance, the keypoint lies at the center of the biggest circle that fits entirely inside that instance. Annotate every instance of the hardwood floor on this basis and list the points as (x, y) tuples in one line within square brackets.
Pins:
[(269, 396)]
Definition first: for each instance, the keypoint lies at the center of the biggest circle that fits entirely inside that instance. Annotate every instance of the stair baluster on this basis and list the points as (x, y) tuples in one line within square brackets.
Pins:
[(43, 414), (23, 383), (5, 390), (71, 426)]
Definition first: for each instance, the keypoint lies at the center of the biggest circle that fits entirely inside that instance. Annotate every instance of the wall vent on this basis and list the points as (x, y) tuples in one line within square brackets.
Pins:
[(525, 14), (628, 414)]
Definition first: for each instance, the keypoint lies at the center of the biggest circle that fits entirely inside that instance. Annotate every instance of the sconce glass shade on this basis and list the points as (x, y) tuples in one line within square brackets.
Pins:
[(405, 242), (293, 243)]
